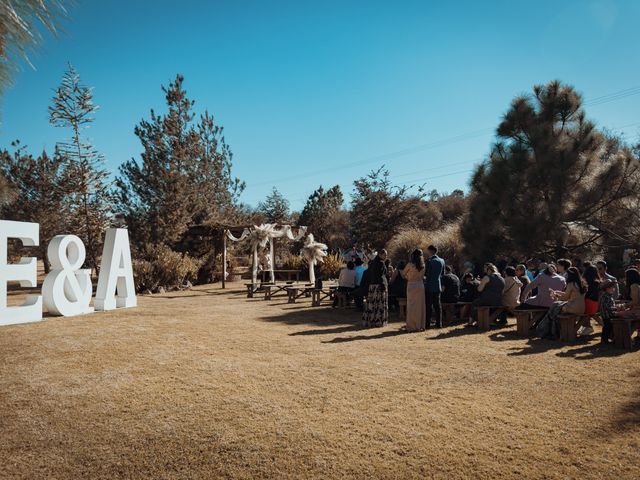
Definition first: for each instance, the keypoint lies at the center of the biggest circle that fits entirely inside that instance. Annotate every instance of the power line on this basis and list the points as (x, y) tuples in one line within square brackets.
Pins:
[(610, 97)]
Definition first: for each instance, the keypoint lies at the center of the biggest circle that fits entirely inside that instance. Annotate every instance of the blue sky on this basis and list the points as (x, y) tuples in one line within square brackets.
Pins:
[(317, 93)]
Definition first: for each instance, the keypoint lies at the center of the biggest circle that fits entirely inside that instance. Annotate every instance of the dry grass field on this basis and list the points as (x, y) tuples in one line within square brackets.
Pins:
[(208, 384)]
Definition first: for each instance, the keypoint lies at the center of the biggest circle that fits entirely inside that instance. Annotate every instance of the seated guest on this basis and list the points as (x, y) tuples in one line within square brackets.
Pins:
[(547, 281), (605, 275), (490, 289), (468, 293), (512, 286), (607, 309), (361, 290), (532, 270), (521, 273), (632, 281), (563, 266), (346, 281), (571, 300), (450, 286), (359, 268), (592, 277)]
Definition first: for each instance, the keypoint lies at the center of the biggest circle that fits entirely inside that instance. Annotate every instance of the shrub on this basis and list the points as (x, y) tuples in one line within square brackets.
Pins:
[(447, 238), (331, 266), (162, 267)]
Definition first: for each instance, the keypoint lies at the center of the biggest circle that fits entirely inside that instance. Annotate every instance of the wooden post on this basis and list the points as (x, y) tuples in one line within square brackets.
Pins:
[(224, 257)]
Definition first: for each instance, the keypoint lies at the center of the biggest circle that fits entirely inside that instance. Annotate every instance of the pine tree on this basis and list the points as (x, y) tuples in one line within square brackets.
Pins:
[(86, 181), (323, 215), (39, 193), (275, 208), (551, 174), (184, 176)]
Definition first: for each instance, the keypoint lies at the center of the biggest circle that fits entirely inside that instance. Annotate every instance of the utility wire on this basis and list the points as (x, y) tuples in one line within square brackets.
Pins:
[(439, 143)]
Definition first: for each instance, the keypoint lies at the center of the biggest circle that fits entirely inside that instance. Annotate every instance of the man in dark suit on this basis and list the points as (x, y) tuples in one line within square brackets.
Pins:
[(433, 285)]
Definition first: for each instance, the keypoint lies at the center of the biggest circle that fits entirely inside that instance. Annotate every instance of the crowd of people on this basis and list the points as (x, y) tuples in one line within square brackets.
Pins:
[(426, 282)]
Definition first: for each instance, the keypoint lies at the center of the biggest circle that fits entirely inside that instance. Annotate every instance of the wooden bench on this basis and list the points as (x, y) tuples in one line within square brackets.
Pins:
[(319, 294), (296, 291), (272, 289), (402, 308), (526, 318), (449, 311), (487, 315), (569, 324), (623, 328)]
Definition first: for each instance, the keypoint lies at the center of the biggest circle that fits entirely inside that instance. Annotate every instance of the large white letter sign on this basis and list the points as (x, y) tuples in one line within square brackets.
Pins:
[(116, 272), (26, 272), (67, 289)]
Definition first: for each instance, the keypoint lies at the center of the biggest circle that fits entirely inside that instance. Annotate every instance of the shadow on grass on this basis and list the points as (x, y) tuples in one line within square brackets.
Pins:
[(462, 330), (594, 350), (377, 336), (541, 345)]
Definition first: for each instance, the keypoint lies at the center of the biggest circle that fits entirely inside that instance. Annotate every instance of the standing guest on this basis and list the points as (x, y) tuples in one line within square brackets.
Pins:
[(468, 293), (376, 313), (450, 286), (433, 286), (564, 265), (601, 265), (607, 307), (416, 305), (490, 289), (521, 273), (397, 283), (547, 281), (346, 282)]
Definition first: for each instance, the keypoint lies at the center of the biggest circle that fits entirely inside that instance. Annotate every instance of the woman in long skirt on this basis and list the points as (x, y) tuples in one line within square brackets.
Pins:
[(376, 313), (416, 305)]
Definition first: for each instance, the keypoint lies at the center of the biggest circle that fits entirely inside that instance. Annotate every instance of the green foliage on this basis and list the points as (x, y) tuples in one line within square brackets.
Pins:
[(86, 182), (275, 208), (323, 215), (160, 266), (380, 210), (550, 172), (184, 176), (39, 193)]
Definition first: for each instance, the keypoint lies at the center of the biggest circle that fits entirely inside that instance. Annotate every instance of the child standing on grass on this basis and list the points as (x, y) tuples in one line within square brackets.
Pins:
[(606, 306)]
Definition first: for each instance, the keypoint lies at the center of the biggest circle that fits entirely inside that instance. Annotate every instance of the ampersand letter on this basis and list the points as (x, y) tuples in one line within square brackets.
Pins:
[(67, 289)]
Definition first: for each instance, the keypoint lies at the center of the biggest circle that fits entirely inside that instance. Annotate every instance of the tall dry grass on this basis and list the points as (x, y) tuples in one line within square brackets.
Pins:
[(447, 238)]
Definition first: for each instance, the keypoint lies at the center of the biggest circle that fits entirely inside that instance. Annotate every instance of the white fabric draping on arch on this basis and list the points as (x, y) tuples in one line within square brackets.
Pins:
[(262, 234)]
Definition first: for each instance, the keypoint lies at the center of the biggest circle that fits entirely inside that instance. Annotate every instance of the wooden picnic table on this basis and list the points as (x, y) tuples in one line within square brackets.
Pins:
[(282, 273), (623, 328), (525, 318)]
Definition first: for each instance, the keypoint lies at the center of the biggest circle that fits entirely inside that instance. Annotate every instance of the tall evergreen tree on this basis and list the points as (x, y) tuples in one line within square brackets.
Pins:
[(322, 214), (184, 176), (39, 197), (550, 174), (275, 207), (86, 181)]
